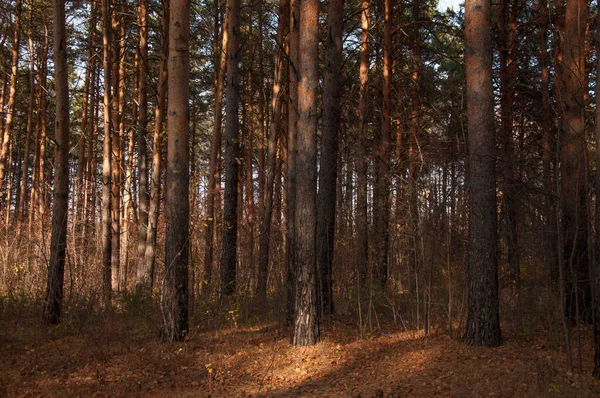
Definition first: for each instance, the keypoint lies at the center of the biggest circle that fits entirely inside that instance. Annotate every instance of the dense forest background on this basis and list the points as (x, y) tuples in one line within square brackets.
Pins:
[(384, 162)]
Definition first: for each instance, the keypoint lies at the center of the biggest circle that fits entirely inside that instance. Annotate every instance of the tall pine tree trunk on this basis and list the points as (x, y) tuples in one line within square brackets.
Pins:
[(328, 172), (232, 154), (274, 132), (306, 322), (106, 234), (483, 321), (177, 217), (60, 209)]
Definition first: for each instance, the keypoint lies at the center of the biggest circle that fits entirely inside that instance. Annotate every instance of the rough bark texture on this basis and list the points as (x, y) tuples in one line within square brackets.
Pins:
[(328, 171), (58, 243), (175, 290), (232, 155), (596, 270), (306, 322), (273, 139), (483, 321), (106, 159), (145, 275), (361, 193), (381, 194), (292, 154)]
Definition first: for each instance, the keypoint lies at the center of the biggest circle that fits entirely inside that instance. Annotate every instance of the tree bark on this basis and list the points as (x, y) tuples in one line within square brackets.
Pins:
[(328, 172), (144, 276), (232, 155), (306, 322), (175, 293), (10, 107), (58, 243), (362, 257), (106, 232), (273, 139), (214, 179), (292, 137), (483, 320), (157, 148)]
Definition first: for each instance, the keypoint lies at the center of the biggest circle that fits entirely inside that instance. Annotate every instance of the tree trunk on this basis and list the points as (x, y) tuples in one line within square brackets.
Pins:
[(10, 107), (328, 171), (29, 130), (175, 293), (483, 321), (507, 26), (381, 193), (157, 148), (232, 155), (306, 322), (571, 85), (274, 132), (362, 222), (292, 154), (106, 158), (144, 276), (596, 270), (214, 179), (58, 243)]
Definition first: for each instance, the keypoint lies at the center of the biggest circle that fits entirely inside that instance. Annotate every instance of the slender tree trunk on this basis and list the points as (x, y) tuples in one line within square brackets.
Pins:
[(117, 103), (29, 130), (381, 193), (548, 150), (596, 270), (106, 158), (175, 293), (362, 222), (273, 139), (144, 276), (157, 148), (232, 155), (483, 321), (507, 32), (10, 108), (60, 209), (571, 85), (328, 172), (292, 154), (306, 321), (214, 179)]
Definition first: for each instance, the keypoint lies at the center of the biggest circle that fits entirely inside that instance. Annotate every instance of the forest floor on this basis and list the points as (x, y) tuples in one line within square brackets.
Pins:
[(123, 357)]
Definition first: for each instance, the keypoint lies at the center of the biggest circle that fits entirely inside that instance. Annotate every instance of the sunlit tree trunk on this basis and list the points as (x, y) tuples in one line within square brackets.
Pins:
[(483, 320), (144, 276), (306, 322), (106, 234), (362, 240), (60, 208), (175, 293), (157, 148), (10, 107)]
